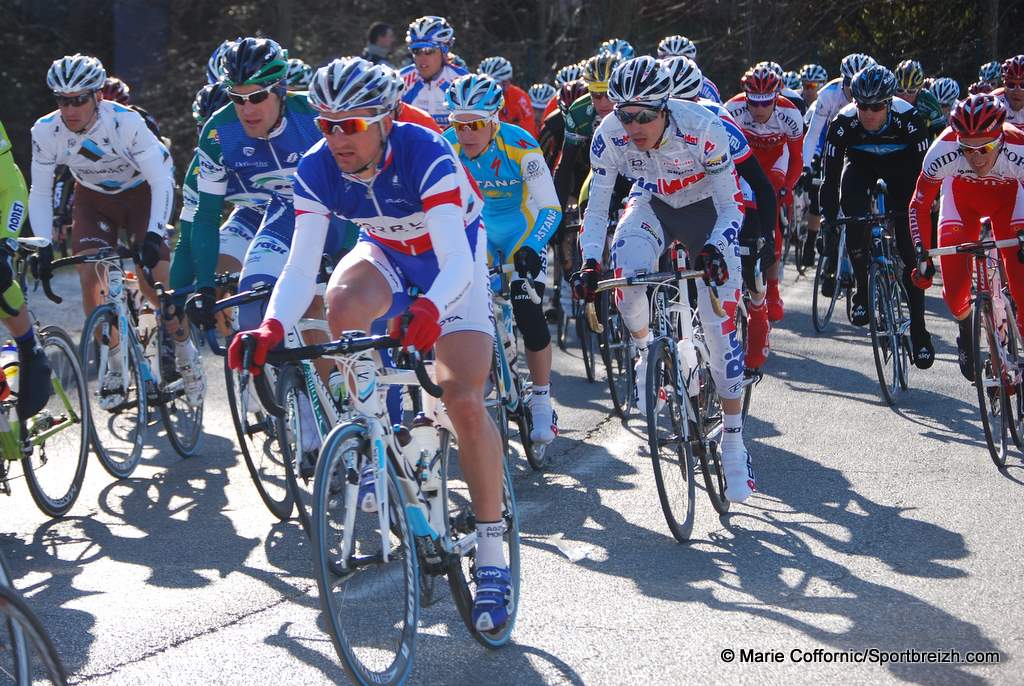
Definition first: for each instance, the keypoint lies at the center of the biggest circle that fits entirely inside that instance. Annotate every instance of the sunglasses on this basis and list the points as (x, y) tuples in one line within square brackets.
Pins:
[(900, 91), (811, 85), (873, 106), (475, 125), (983, 149), (1013, 85), (423, 51), (758, 104), (74, 101), (255, 98), (644, 116), (348, 126), (598, 95)]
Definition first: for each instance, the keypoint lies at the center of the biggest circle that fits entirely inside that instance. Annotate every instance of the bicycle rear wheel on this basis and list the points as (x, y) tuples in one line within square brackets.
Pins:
[(59, 433), (587, 338), (996, 411), (1015, 348), (182, 421), (671, 453), (706, 428), (260, 444), (616, 352), (294, 432), (741, 336), (117, 434), (371, 606)]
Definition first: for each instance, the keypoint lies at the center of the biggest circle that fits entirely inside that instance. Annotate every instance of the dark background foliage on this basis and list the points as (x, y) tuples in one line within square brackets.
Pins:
[(160, 47)]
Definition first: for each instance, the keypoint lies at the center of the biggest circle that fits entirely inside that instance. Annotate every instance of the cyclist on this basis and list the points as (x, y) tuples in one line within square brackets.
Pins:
[(34, 367), (299, 75), (117, 90), (214, 67), (430, 41), (567, 74), (991, 74), (979, 87), (405, 111), (521, 212), (785, 90), (976, 166), (541, 95), (552, 130), (877, 137), (617, 46), (759, 198), (834, 96), (773, 126), (946, 91), (124, 181), (685, 188), (910, 87), (812, 77), (681, 46), (1012, 92), (366, 162), (518, 109)]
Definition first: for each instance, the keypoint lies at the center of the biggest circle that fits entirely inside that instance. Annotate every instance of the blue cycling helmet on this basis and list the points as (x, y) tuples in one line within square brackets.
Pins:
[(214, 67), (209, 99), (476, 93), (617, 46), (430, 32)]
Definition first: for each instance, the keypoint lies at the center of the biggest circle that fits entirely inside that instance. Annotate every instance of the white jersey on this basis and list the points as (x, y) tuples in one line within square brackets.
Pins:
[(117, 153), (691, 163), (1015, 117), (429, 95), (831, 99)]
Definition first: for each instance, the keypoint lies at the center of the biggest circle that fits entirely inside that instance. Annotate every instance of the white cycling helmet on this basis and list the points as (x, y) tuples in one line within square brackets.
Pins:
[(541, 94), (568, 73), (773, 67), (813, 73), (677, 46), (791, 80), (853, 63), (946, 91), (687, 78), (352, 83), (430, 32), (498, 68), (475, 94), (640, 81), (74, 73)]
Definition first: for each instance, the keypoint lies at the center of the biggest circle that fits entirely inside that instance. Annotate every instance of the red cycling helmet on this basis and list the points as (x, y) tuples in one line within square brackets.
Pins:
[(761, 84), (1013, 69), (978, 115), (115, 89), (569, 93), (979, 88)]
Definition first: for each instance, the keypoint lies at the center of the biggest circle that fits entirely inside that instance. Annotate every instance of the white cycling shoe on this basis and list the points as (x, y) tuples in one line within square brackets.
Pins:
[(112, 392), (190, 366), (545, 423), (739, 475)]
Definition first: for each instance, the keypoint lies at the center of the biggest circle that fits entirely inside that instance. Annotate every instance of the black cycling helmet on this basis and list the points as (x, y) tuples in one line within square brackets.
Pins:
[(209, 99), (259, 61), (873, 84)]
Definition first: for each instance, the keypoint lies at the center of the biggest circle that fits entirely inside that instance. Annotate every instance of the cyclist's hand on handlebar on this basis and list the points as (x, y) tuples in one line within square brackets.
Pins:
[(267, 337), (424, 327), (712, 262), (922, 274), (527, 262), (199, 307), (584, 283), (149, 250), (41, 263)]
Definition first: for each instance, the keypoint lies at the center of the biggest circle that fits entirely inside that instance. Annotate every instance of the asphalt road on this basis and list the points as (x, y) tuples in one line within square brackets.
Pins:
[(872, 528)]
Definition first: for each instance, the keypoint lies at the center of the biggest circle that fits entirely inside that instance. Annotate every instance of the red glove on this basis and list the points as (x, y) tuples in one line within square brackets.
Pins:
[(268, 336), (424, 327)]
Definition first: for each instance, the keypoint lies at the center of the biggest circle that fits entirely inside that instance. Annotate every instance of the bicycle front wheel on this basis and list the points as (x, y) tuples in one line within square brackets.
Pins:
[(706, 426), (616, 354), (671, 453), (58, 435), (365, 564), (182, 421), (885, 338), (31, 657), (989, 377), (823, 306), (117, 425), (300, 441), (587, 339)]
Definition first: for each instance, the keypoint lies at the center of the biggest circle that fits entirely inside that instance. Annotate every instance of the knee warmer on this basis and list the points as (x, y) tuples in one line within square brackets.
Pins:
[(11, 296), (530, 317)]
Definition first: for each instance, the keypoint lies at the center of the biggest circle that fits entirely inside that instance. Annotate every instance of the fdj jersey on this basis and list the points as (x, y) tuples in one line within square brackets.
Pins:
[(580, 121), (520, 205)]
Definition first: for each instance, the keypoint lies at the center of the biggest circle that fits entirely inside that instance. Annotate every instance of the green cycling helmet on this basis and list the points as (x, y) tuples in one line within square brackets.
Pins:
[(257, 61)]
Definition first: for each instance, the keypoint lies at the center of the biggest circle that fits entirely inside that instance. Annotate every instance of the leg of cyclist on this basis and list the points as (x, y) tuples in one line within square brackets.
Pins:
[(813, 219), (34, 367), (854, 188), (777, 175), (758, 326), (958, 225), (1007, 223)]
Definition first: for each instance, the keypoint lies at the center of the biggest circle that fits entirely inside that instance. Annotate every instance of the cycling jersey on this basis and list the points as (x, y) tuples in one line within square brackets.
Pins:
[(518, 109), (772, 140), (429, 95), (580, 120), (831, 99), (262, 168), (796, 99), (1013, 116), (520, 204), (690, 164), (552, 135), (928, 107), (709, 91), (415, 115), (420, 213), (13, 196), (116, 154), (550, 108)]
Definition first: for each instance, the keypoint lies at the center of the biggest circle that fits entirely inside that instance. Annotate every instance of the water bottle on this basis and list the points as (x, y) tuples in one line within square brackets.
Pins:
[(336, 386), (9, 361), (423, 448), (147, 322), (686, 358), (115, 283), (507, 319)]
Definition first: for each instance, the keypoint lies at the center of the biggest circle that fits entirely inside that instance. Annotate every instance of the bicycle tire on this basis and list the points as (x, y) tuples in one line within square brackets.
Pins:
[(256, 438), (68, 386), (34, 647), (182, 422), (615, 353), (706, 414), (104, 425), (345, 450), (1015, 346), (671, 452), (885, 343), (291, 384), (821, 314), (992, 398), (496, 405), (741, 336), (587, 339), (536, 455)]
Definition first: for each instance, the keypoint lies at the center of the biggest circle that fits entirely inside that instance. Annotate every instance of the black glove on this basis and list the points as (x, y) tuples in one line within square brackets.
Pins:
[(712, 262), (527, 262), (584, 283), (199, 307), (41, 263), (149, 252)]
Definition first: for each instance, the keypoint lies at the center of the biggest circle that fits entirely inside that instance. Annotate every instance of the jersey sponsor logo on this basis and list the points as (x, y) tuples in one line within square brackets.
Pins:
[(636, 164), (598, 147), (716, 164), (277, 181), (496, 165), (690, 139), (91, 151), (523, 144), (248, 150), (708, 146), (213, 136), (270, 246), (15, 217), (533, 168), (293, 158), (941, 161), (498, 183), (620, 142)]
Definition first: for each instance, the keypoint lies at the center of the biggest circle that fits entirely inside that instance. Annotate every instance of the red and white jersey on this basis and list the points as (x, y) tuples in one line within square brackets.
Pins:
[(1012, 116), (782, 133), (945, 161)]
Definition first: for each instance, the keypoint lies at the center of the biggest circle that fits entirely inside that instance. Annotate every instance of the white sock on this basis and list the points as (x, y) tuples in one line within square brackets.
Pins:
[(185, 347), (642, 344), (490, 546), (541, 395), (114, 358), (732, 431)]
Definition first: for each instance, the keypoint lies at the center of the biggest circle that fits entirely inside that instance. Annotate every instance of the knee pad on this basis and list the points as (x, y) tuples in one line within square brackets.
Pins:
[(530, 317), (633, 306), (11, 296)]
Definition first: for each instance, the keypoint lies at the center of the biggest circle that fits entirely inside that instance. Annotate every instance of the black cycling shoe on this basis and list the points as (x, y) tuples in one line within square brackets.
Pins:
[(828, 284), (923, 350), (965, 356), (807, 259), (34, 386), (859, 311)]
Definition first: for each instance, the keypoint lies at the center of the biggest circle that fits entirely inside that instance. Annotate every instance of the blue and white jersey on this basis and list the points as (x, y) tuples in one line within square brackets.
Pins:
[(709, 91), (739, 148), (429, 95)]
